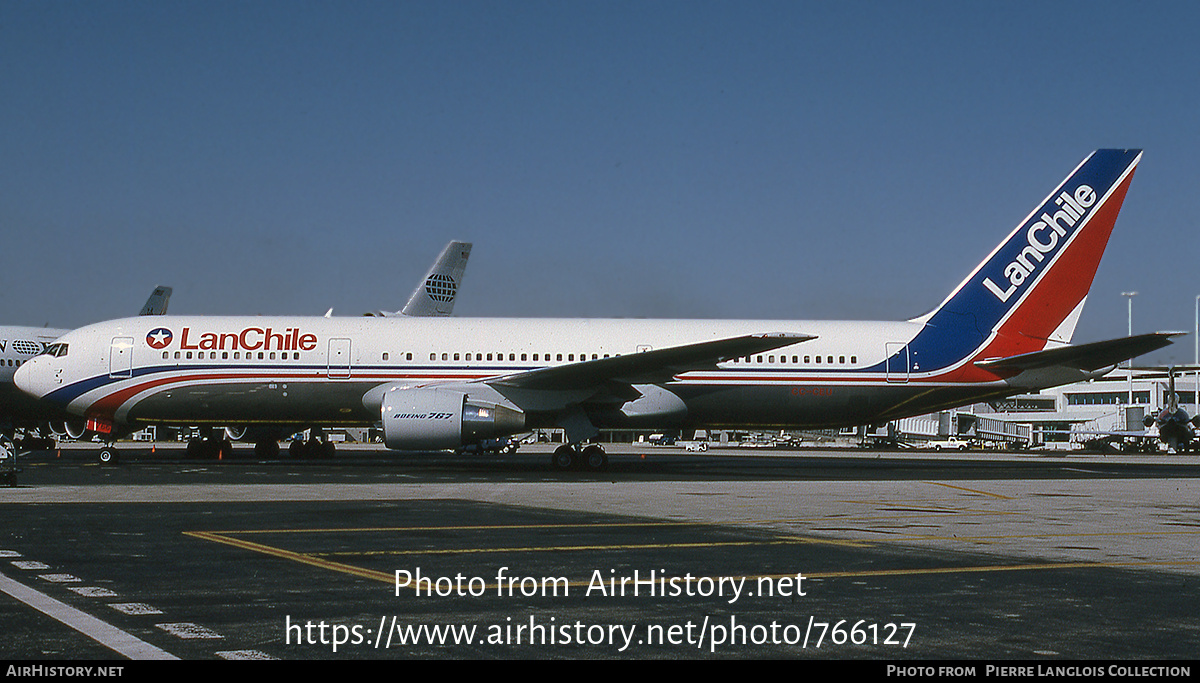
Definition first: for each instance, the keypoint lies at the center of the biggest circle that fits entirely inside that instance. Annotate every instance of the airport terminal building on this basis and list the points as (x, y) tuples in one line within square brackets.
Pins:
[(1073, 415)]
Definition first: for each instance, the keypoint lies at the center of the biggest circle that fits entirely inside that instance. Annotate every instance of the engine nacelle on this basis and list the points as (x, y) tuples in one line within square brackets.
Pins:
[(435, 419), (75, 428)]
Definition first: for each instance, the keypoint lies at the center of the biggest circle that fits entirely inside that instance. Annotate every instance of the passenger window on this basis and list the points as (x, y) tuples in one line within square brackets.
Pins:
[(818, 359), (522, 356)]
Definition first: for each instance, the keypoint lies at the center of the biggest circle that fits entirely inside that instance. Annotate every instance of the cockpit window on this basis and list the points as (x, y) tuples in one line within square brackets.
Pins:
[(56, 350)]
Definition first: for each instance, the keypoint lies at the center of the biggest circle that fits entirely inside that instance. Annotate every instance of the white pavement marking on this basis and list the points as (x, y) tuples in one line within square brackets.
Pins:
[(244, 655), (30, 565), (102, 632), (135, 608), (189, 630), (92, 591), (60, 578)]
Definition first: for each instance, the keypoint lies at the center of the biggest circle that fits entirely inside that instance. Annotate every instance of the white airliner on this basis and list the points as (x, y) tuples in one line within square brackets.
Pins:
[(18, 410), (437, 383)]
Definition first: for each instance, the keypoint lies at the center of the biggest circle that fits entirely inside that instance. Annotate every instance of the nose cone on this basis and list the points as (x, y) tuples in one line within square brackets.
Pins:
[(35, 377)]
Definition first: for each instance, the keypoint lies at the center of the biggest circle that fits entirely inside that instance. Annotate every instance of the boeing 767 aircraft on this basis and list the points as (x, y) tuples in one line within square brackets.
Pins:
[(437, 383)]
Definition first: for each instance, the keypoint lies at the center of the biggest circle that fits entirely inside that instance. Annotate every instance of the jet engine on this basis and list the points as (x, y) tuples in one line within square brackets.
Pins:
[(73, 428), (436, 419)]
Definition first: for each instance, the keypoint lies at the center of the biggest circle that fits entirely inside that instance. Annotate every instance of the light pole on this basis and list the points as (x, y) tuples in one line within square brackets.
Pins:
[(1129, 364), (1197, 360)]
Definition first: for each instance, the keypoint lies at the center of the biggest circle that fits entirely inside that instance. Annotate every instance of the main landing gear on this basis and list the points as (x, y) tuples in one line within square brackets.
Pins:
[(212, 447), (318, 445), (571, 457)]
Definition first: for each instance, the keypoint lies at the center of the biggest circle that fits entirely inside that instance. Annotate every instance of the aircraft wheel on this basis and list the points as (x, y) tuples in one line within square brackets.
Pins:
[(564, 458), (266, 450), (595, 459), (108, 456)]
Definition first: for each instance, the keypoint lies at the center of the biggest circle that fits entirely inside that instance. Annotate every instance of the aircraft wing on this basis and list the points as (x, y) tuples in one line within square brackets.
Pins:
[(658, 365), (157, 303), (1088, 357)]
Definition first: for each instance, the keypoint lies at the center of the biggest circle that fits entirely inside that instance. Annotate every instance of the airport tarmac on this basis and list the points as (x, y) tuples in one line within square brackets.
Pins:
[(726, 554)]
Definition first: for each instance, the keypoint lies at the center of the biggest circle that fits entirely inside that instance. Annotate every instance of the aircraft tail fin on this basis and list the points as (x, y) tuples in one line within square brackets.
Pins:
[(438, 290), (1028, 293), (157, 303)]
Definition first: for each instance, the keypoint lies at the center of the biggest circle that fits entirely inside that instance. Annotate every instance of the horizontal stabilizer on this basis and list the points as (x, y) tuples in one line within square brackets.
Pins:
[(658, 365), (1089, 357)]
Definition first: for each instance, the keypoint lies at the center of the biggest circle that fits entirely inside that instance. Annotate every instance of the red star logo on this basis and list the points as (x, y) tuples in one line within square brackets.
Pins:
[(159, 338)]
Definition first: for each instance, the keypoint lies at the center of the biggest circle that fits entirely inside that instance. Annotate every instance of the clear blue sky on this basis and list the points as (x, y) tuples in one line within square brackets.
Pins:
[(837, 160)]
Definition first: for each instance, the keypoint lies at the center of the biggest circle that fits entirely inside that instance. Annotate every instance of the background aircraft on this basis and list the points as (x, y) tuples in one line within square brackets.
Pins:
[(18, 410), (440, 290), (435, 383), (1171, 426)]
